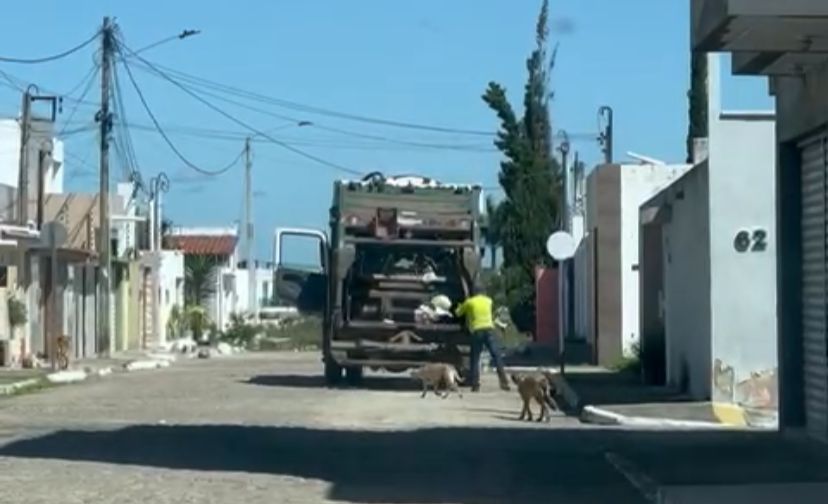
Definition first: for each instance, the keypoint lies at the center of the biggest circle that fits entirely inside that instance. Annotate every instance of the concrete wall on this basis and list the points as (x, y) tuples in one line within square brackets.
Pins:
[(79, 213), (638, 184), (10, 156), (603, 227), (264, 287), (609, 253), (687, 310), (581, 291), (171, 280), (743, 293)]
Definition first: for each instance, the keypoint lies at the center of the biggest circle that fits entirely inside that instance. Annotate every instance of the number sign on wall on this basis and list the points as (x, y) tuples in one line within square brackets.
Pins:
[(751, 241)]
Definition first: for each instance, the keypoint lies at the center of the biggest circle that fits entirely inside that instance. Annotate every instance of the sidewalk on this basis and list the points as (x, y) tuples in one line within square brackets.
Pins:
[(607, 397), (14, 381)]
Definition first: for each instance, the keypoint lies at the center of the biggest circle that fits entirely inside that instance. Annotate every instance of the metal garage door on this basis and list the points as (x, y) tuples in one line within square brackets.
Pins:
[(814, 163)]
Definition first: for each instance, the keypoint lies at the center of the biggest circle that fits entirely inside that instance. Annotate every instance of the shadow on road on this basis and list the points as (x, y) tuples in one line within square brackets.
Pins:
[(390, 383), (463, 465)]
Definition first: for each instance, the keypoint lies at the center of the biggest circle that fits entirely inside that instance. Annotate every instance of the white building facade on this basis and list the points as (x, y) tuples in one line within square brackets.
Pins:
[(606, 274), (716, 301)]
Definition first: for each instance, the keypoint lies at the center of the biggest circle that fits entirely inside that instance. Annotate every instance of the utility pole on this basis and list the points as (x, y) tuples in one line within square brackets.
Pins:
[(104, 243), (158, 185), (23, 167), (248, 226), (606, 137), (564, 196)]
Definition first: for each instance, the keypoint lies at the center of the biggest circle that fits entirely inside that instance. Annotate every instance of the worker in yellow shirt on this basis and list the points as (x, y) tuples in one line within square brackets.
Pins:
[(477, 311)]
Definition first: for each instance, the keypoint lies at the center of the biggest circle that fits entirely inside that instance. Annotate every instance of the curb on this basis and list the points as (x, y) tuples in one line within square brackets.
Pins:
[(565, 391), (13, 388), (144, 365), (157, 361), (599, 416), (63, 377)]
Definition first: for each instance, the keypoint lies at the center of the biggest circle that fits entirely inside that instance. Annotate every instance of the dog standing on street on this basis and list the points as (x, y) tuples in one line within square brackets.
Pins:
[(438, 374)]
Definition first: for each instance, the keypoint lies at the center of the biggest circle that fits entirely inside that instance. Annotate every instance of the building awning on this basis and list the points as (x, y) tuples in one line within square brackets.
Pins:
[(12, 235), (70, 255), (219, 245), (767, 37)]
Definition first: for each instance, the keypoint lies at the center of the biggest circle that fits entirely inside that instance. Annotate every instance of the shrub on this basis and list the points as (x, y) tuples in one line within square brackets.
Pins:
[(17, 312), (240, 332)]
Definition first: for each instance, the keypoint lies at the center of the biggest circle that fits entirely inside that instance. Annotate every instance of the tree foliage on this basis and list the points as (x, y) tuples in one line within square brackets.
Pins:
[(199, 279), (530, 177), (698, 100), (491, 229)]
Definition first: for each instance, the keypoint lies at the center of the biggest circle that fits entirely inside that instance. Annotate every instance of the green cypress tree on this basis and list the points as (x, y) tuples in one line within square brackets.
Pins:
[(697, 101), (530, 177)]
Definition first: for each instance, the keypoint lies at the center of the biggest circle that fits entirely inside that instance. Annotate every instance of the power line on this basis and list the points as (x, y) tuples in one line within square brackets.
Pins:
[(125, 138), (250, 95), (89, 75), (167, 139), (11, 83), (235, 119), (406, 142), (181, 36), (54, 57), (264, 99), (90, 80), (392, 144), (21, 84)]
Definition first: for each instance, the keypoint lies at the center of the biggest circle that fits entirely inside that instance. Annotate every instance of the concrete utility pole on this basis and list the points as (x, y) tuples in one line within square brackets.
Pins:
[(23, 173), (30, 96), (104, 243), (158, 185), (248, 226), (564, 207)]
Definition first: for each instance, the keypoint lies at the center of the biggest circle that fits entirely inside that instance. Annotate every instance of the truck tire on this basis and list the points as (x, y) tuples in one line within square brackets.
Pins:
[(333, 373), (353, 375)]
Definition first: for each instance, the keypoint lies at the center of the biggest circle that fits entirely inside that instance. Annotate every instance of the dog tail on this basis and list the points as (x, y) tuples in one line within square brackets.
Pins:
[(515, 378)]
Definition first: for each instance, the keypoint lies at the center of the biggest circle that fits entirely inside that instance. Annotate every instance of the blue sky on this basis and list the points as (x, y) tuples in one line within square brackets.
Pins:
[(424, 62)]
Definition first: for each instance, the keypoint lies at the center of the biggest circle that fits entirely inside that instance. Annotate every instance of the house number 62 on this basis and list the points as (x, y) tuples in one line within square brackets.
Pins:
[(751, 241)]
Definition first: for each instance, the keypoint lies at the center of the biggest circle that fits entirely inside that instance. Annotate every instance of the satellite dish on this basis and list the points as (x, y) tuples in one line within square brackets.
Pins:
[(561, 246)]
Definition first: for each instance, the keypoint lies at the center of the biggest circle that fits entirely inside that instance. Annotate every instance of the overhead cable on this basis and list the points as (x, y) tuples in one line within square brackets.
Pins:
[(54, 57), (167, 139), (238, 121)]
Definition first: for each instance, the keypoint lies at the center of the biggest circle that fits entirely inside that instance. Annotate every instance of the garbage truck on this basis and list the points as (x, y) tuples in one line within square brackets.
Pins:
[(401, 252)]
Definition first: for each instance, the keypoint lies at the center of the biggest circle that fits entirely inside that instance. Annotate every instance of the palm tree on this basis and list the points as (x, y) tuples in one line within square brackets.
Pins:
[(197, 321), (491, 230), (199, 279)]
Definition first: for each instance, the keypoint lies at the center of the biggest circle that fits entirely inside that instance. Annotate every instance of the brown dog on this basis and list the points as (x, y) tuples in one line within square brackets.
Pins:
[(537, 387), (436, 375)]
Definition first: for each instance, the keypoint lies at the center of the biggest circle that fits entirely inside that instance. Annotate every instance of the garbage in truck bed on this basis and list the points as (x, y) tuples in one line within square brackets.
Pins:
[(415, 181), (436, 310)]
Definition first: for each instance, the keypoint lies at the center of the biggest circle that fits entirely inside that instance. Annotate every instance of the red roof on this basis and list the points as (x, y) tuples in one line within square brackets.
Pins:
[(222, 245)]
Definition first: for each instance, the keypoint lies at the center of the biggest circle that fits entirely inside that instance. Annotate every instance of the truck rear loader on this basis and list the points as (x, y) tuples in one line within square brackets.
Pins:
[(393, 245)]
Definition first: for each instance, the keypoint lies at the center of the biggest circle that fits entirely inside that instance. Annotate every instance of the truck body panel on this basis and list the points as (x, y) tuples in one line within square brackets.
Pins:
[(393, 245)]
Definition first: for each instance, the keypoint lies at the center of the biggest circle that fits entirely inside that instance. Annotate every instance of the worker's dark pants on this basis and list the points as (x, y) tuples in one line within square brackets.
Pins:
[(487, 338)]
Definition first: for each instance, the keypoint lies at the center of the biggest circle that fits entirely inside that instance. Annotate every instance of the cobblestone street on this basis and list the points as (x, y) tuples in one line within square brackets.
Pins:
[(262, 428)]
